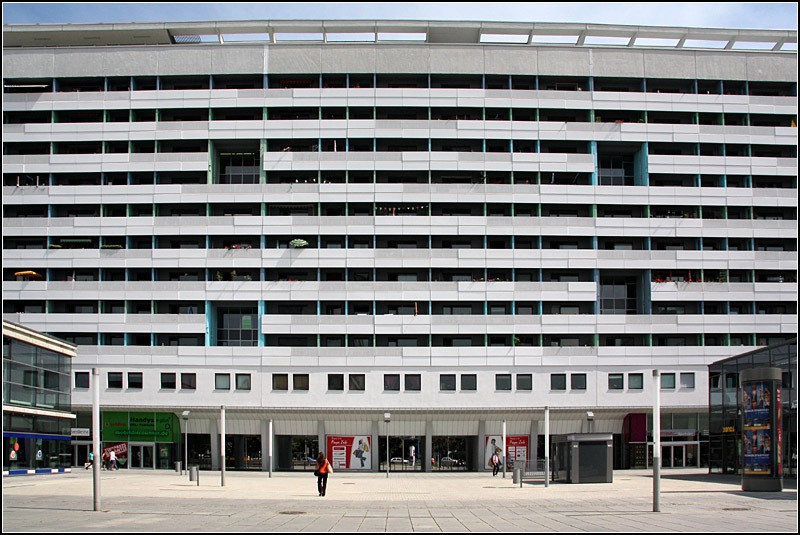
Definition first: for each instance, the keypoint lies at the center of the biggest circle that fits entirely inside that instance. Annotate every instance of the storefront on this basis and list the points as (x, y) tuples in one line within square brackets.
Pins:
[(142, 440)]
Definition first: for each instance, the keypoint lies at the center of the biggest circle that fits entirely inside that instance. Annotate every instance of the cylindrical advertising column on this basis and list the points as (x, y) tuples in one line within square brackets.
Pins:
[(761, 429)]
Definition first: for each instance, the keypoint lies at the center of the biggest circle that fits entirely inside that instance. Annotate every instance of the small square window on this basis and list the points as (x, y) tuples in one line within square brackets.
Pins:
[(667, 381), (188, 381), (502, 381), (391, 382), (635, 381), (135, 380), (469, 381), (357, 381), (447, 382), (114, 379), (243, 381), (578, 381), (222, 381), (413, 382), (168, 381), (616, 381), (524, 381), (300, 381), (280, 381), (558, 381), (335, 381), (81, 379), (687, 380)]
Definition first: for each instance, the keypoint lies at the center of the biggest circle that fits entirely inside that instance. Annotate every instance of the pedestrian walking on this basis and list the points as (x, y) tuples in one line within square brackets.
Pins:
[(89, 460), (323, 469), (112, 460), (105, 461), (495, 464)]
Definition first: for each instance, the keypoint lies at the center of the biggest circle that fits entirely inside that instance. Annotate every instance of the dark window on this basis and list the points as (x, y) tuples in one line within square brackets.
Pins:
[(300, 381), (578, 381), (687, 380), (616, 381), (81, 379), (222, 381), (635, 381), (168, 381), (447, 381), (524, 381), (469, 381), (335, 381), (558, 381), (114, 379), (413, 382), (135, 380), (188, 381), (391, 382), (280, 381), (502, 381), (357, 381), (667, 380), (243, 381)]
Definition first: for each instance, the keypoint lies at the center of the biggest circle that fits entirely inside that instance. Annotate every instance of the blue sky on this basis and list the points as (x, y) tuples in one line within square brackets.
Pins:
[(698, 14)]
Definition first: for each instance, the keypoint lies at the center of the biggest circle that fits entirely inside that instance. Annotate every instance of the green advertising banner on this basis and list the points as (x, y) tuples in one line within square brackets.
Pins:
[(141, 427)]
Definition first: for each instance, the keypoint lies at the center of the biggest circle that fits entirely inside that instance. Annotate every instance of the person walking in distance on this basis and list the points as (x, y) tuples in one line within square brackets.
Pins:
[(495, 463), (322, 471), (112, 460)]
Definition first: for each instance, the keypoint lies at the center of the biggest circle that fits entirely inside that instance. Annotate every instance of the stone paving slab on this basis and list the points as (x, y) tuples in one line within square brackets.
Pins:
[(161, 501)]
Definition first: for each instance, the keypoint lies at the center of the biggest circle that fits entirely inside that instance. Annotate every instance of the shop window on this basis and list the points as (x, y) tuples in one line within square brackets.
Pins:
[(357, 381), (391, 382), (335, 381), (616, 381), (114, 379), (578, 381), (413, 382), (243, 381), (469, 381), (81, 379), (667, 381), (558, 381), (168, 381), (280, 381), (635, 381), (188, 381), (135, 380), (447, 381), (300, 381), (524, 381), (502, 381), (222, 381), (687, 380)]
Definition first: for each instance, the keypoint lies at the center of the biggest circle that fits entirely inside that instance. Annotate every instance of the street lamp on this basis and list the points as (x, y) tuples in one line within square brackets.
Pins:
[(185, 418), (387, 417)]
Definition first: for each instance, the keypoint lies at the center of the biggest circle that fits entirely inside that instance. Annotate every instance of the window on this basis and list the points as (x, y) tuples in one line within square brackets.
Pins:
[(135, 380), (524, 381), (635, 381), (447, 381), (687, 380), (578, 381), (502, 381), (222, 381), (469, 381), (243, 381), (558, 381), (188, 381), (413, 382), (168, 381), (114, 379), (81, 379), (667, 381), (280, 381), (391, 382), (616, 381), (300, 381), (357, 381), (335, 381)]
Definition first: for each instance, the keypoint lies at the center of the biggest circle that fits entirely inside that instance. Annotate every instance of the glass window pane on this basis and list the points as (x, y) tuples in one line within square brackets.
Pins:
[(222, 381), (413, 382), (391, 382), (635, 381), (280, 381), (135, 380), (687, 380), (335, 381), (502, 381), (300, 381), (357, 381), (469, 382), (447, 382), (667, 380), (168, 380), (524, 381), (114, 379), (188, 381), (558, 381), (578, 381), (615, 381), (81, 379), (243, 381)]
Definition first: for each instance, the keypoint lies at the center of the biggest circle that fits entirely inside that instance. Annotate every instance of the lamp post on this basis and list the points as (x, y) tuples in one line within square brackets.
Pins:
[(387, 417), (185, 418), (657, 442)]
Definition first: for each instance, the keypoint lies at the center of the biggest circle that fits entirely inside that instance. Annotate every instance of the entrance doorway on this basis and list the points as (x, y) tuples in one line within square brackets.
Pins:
[(454, 453), (401, 450), (141, 455)]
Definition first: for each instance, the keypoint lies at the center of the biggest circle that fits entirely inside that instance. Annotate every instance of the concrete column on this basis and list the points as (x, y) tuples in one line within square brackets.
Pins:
[(264, 445), (534, 441), (427, 467), (214, 432), (375, 450), (481, 445), (321, 437)]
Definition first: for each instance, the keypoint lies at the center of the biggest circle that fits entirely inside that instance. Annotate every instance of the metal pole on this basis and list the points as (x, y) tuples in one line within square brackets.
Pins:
[(387, 448), (505, 457), (547, 446), (222, 441), (657, 442), (269, 438), (96, 455), (186, 444)]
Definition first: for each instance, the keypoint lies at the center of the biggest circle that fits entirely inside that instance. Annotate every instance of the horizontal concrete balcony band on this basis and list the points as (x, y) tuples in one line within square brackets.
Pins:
[(97, 163)]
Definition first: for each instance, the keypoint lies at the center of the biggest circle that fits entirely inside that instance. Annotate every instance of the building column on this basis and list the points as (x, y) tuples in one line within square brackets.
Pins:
[(321, 437), (481, 445), (265, 445), (215, 438), (427, 467), (375, 450), (533, 441)]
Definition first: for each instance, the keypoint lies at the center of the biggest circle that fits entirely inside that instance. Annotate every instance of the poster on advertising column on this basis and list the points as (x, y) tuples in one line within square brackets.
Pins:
[(517, 450), (350, 453), (756, 398)]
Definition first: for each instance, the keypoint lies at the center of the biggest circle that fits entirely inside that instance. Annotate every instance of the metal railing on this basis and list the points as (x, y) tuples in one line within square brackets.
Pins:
[(532, 469)]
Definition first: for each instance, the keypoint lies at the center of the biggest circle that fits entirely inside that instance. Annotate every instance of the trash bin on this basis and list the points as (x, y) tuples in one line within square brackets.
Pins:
[(178, 467), (518, 475), (193, 473)]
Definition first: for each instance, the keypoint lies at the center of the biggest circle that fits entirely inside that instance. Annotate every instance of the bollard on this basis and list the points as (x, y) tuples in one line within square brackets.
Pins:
[(178, 467), (193, 473), (518, 476)]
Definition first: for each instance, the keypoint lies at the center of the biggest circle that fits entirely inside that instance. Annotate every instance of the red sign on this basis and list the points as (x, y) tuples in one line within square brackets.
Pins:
[(118, 449), (350, 453)]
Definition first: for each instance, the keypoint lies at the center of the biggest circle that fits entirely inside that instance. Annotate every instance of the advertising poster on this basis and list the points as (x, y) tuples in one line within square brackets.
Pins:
[(756, 400), (517, 450), (350, 453)]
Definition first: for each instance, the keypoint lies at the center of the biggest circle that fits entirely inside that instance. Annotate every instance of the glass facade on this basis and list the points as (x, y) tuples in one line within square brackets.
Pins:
[(724, 407)]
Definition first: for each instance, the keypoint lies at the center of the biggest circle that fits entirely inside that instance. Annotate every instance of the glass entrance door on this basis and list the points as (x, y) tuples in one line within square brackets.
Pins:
[(142, 455), (677, 457)]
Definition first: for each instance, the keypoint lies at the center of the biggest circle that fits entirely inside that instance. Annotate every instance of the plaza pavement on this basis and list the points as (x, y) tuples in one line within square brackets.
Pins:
[(164, 501)]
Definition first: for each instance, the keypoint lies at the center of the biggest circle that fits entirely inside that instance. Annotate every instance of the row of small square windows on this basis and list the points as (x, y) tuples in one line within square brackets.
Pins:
[(391, 382)]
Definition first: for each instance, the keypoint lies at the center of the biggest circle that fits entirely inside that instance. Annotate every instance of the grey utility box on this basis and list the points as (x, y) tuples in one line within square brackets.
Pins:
[(584, 458)]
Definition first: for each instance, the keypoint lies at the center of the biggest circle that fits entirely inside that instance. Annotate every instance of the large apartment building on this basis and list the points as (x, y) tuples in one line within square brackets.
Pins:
[(314, 224)]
